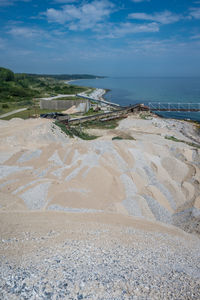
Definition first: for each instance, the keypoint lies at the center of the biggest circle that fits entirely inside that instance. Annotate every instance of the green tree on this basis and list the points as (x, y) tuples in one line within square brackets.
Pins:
[(6, 75)]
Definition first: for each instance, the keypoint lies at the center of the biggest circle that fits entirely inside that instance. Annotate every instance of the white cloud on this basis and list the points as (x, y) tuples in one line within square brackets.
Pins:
[(25, 32), (10, 2), (5, 3), (166, 47), (195, 12), (126, 29), (165, 17), (195, 37), (84, 16), (93, 16)]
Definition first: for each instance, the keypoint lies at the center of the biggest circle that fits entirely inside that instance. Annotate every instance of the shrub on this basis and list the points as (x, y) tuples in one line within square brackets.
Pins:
[(124, 137), (5, 105)]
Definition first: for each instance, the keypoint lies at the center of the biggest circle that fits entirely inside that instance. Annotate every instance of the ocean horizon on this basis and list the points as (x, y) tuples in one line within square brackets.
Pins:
[(131, 90)]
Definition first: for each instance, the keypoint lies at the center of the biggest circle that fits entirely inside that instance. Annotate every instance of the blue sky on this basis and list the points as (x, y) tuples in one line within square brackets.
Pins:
[(105, 37)]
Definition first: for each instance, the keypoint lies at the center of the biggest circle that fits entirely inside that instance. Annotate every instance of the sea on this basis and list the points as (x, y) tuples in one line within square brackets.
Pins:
[(131, 90)]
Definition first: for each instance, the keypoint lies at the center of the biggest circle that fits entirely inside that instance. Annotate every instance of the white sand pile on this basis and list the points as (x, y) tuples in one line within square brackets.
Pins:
[(152, 177), (71, 110), (34, 133)]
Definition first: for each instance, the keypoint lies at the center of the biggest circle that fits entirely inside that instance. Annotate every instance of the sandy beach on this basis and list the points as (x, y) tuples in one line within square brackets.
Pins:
[(96, 94), (101, 219)]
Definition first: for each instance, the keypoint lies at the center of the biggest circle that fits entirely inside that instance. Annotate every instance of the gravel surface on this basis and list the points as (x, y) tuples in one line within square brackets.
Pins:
[(137, 265)]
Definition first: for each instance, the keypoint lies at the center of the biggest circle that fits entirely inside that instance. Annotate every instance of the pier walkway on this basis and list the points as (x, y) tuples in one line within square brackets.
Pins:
[(178, 107)]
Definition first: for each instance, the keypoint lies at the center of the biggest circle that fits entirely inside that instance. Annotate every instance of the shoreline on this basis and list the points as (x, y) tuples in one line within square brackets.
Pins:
[(159, 115), (100, 91)]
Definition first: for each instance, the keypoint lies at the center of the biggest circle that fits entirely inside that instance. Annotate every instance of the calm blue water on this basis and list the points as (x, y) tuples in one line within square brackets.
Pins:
[(127, 91)]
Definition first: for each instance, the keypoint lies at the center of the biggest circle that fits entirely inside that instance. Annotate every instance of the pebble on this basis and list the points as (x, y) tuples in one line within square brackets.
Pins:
[(91, 269)]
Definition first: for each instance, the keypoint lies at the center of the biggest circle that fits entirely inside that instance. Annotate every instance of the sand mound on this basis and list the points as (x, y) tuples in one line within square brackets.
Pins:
[(31, 134), (71, 110), (48, 171)]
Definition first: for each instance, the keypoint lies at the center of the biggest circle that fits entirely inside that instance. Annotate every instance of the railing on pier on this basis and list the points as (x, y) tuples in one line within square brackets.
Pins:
[(178, 107)]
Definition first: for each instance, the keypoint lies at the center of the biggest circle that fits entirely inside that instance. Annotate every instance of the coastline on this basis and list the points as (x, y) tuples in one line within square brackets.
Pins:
[(97, 93), (191, 116)]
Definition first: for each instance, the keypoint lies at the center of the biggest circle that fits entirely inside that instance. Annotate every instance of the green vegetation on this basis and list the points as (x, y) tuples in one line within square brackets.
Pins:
[(172, 138), (75, 131), (97, 124), (69, 98), (31, 112), (145, 116), (117, 138), (78, 130), (67, 76), (6, 75), (91, 112), (123, 137), (19, 90), (5, 106), (20, 87)]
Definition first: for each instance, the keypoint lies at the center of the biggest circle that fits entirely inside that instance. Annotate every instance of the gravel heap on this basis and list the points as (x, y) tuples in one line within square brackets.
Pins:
[(136, 265)]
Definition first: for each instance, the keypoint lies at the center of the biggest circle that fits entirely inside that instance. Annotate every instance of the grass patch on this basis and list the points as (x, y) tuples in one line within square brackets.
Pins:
[(7, 107), (124, 137), (75, 131), (29, 113), (172, 138), (97, 124), (91, 112), (69, 98), (146, 116)]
